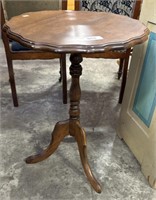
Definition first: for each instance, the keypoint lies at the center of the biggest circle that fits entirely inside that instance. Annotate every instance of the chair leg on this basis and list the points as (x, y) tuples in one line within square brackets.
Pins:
[(124, 76), (12, 82), (63, 77), (121, 62), (60, 78)]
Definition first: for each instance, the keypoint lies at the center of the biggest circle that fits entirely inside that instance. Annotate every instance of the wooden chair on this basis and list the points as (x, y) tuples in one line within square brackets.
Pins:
[(15, 51), (130, 8)]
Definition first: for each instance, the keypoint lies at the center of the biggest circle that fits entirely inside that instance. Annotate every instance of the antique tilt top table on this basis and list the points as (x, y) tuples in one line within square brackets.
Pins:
[(74, 32)]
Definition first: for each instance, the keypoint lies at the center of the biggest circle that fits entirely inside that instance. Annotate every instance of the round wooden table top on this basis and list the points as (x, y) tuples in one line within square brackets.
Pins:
[(76, 31)]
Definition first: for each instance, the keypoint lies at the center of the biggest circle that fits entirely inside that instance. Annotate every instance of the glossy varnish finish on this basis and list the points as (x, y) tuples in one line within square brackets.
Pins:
[(75, 33)]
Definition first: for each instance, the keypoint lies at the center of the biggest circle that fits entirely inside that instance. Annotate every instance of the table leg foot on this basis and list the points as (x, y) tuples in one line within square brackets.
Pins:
[(80, 137), (61, 130)]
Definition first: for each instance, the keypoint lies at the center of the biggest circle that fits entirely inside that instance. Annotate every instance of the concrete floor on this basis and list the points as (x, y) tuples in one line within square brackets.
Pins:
[(27, 129)]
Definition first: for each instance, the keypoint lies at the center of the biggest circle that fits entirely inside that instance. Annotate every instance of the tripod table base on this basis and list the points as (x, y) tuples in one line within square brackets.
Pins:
[(62, 129)]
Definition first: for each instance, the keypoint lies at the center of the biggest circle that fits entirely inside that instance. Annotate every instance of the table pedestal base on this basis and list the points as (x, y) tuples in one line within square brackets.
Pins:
[(61, 130), (72, 126)]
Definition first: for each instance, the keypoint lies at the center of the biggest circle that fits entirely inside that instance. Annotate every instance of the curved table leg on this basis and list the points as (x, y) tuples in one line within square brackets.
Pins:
[(74, 125), (61, 130), (80, 137)]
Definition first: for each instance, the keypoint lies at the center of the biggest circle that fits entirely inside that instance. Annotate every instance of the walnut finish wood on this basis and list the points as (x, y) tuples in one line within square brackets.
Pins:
[(74, 32), (71, 127), (61, 130), (85, 32)]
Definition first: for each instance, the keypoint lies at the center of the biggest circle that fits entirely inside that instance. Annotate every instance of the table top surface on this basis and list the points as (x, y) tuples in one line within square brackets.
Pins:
[(76, 31)]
